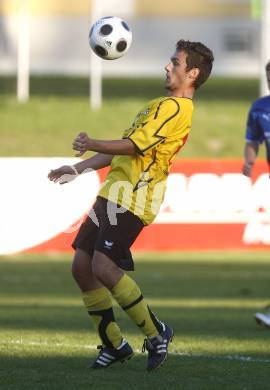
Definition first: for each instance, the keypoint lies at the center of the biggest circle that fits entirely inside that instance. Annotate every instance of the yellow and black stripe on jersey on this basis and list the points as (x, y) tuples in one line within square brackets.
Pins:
[(159, 131), (148, 127)]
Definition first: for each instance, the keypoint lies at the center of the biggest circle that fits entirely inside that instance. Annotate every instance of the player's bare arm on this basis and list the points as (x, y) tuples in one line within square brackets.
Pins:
[(83, 143), (95, 162), (250, 155)]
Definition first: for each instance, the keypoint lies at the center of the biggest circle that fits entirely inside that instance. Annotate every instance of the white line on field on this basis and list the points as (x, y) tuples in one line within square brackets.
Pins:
[(238, 358)]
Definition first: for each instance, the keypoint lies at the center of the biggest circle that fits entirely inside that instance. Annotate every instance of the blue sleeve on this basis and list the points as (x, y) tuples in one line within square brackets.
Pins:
[(254, 132)]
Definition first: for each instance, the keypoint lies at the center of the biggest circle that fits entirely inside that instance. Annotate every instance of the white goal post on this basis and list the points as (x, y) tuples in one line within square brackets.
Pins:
[(23, 60), (95, 62)]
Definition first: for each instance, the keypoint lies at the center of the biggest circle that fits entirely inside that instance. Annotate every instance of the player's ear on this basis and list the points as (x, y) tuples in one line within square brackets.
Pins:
[(194, 73), (268, 78)]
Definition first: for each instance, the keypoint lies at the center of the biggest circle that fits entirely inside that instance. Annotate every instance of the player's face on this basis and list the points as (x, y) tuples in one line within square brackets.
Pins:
[(268, 78), (176, 73)]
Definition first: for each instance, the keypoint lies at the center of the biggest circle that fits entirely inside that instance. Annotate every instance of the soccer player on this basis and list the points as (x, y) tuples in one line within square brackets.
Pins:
[(258, 131), (130, 199)]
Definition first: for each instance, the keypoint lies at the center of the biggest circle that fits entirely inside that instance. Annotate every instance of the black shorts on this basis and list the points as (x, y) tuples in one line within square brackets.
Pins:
[(114, 240)]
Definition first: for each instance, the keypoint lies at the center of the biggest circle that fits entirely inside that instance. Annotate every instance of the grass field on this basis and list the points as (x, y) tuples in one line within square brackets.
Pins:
[(47, 342), (59, 109)]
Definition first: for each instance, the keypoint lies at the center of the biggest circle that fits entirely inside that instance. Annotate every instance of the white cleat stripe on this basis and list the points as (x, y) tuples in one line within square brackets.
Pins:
[(106, 360), (162, 351), (163, 325), (108, 356), (101, 363)]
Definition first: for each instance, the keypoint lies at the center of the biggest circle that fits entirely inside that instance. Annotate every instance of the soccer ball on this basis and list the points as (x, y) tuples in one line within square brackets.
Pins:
[(110, 37)]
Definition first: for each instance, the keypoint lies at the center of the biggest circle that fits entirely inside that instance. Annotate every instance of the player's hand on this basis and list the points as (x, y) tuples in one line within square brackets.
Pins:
[(247, 169), (63, 175), (81, 143)]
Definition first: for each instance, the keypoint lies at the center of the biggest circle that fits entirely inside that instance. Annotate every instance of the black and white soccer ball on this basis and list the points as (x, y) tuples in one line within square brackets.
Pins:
[(110, 37)]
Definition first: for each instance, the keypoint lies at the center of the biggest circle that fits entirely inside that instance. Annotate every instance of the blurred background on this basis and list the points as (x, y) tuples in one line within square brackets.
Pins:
[(59, 31), (49, 41)]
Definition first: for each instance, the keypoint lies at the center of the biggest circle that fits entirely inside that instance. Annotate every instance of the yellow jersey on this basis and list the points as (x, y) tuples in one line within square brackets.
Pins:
[(138, 183)]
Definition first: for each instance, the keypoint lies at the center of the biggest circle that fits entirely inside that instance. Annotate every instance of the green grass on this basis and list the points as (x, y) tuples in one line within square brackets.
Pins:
[(46, 341), (59, 109)]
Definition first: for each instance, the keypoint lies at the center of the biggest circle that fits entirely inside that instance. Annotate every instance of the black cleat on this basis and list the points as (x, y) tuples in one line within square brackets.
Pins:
[(108, 356), (157, 348)]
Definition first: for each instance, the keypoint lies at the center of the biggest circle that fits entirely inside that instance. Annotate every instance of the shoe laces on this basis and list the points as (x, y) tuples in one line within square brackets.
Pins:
[(148, 345), (101, 348), (144, 346), (151, 344)]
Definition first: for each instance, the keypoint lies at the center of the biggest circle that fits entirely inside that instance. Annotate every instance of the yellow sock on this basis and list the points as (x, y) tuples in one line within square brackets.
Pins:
[(99, 306), (128, 295)]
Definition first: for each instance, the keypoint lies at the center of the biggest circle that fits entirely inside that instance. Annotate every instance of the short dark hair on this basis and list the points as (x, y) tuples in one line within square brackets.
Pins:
[(198, 56), (267, 67)]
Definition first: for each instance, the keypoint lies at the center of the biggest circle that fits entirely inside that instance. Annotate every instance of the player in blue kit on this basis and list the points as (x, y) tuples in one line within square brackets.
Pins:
[(258, 131)]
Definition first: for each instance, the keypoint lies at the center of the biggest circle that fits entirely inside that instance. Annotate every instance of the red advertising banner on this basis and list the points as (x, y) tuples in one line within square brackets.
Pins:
[(209, 205)]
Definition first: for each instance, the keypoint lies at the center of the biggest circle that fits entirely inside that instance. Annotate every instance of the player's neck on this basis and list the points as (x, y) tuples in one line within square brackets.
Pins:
[(182, 93)]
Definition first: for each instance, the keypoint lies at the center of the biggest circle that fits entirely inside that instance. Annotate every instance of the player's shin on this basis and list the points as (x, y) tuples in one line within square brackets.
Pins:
[(99, 306), (128, 295)]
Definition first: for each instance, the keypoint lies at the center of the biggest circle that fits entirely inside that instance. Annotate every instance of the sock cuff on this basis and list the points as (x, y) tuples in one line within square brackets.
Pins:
[(126, 291), (98, 299), (123, 284)]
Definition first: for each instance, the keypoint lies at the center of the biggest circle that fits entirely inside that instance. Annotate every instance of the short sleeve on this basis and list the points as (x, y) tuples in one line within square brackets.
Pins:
[(156, 127), (253, 131)]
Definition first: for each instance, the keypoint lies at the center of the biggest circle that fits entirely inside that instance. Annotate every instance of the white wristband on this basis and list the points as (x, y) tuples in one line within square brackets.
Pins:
[(74, 170)]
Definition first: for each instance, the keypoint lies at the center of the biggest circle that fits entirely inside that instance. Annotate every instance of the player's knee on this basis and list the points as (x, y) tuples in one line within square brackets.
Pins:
[(105, 270), (75, 269), (80, 265), (98, 267)]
